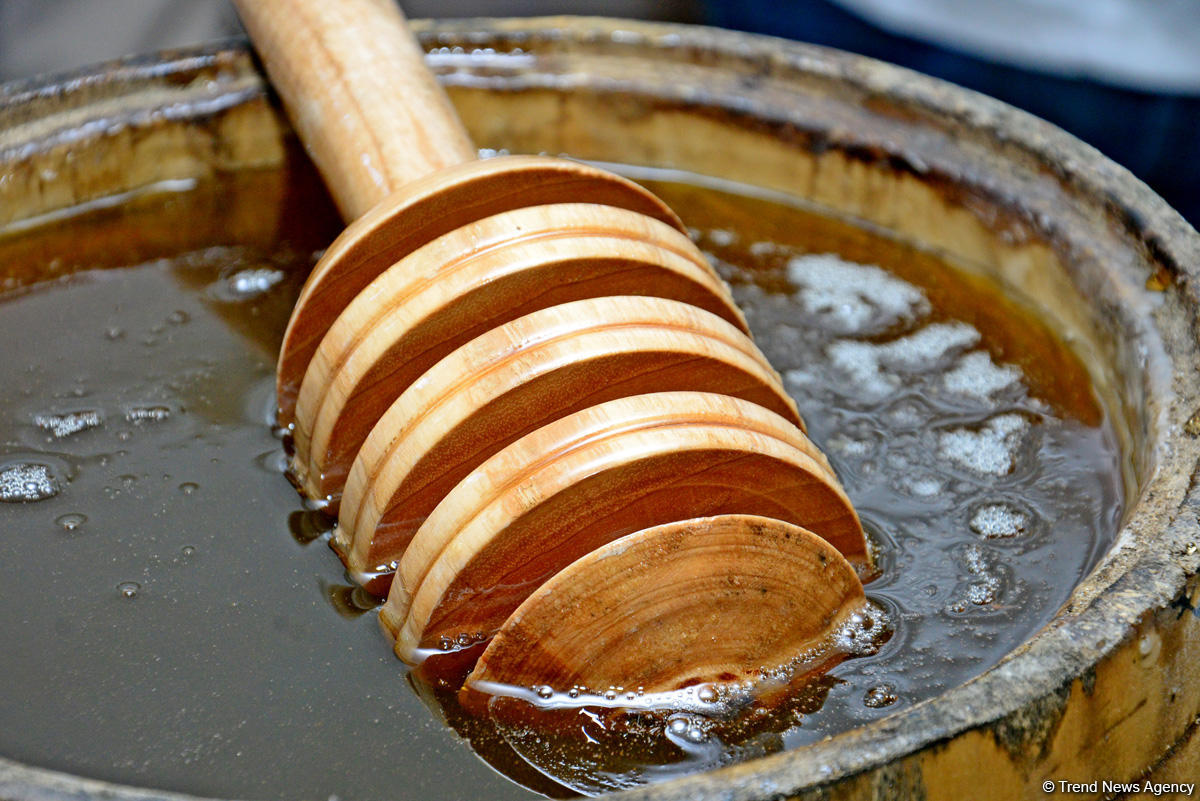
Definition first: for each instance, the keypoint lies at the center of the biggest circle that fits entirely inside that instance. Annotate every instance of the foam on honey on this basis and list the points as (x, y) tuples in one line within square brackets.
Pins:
[(148, 414), (986, 581), (853, 298), (992, 449), (26, 483), (67, 423), (877, 370), (995, 521), (977, 376)]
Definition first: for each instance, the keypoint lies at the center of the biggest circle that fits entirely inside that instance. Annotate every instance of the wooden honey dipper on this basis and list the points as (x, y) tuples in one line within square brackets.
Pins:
[(517, 377)]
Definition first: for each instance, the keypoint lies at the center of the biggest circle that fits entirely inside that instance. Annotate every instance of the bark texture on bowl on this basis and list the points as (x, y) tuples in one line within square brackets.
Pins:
[(1111, 687)]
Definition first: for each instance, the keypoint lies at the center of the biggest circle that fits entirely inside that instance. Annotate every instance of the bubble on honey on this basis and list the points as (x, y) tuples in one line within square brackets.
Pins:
[(27, 483), (995, 521), (128, 589), (907, 413), (147, 414), (763, 248), (688, 728), (923, 485), (846, 445), (977, 376), (986, 582), (863, 631), (70, 522), (178, 317), (853, 298), (246, 283), (879, 696), (67, 423), (990, 450), (721, 237), (189, 487)]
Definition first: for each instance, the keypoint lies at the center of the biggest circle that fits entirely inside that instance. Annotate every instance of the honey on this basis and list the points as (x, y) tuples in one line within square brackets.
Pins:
[(174, 620)]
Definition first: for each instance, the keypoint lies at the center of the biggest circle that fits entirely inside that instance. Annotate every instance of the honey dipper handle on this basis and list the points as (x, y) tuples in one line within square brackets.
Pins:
[(356, 87)]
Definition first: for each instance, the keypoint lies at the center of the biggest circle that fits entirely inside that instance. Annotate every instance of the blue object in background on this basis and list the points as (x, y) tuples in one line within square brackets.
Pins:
[(1155, 135)]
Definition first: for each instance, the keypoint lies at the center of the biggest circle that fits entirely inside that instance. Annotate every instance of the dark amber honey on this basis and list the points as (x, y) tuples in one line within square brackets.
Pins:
[(173, 620)]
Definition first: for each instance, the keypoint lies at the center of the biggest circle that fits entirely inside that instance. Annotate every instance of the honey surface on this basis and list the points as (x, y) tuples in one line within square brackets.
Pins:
[(173, 618)]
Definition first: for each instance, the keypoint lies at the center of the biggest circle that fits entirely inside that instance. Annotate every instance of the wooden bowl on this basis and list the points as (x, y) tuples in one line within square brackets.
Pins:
[(1108, 687)]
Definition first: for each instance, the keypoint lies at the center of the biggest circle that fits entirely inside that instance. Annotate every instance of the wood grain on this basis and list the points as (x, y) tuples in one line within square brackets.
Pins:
[(355, 86), (648, 610), (470, 280), (419, 213), (521, 376), (591, 477)]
